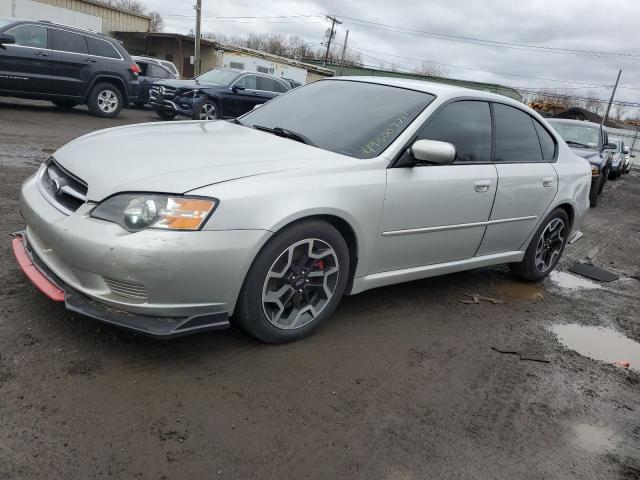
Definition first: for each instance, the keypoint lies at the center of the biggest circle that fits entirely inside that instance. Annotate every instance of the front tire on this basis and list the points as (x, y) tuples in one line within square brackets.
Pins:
[(206, 110), (295, 283), (545, 249), (164, 115), (594, 192), (105, 100)]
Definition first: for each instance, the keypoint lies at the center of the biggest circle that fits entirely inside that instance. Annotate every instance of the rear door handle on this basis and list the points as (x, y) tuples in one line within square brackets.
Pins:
[(482, 185), (90, 60), (41, 54), (547, 181)]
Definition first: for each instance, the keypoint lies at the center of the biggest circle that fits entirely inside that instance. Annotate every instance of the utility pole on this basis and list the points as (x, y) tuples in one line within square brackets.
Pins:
[(344, 49), (334, 21), (606, 114), (196, 53)]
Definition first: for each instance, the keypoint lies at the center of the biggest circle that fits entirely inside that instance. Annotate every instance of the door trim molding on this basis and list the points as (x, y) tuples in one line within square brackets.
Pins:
[(442, 228)]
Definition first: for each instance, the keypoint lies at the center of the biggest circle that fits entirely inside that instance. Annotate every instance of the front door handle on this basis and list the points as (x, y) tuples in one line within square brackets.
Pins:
[(41, 54), (482, 185), (547, 181), (90, 60)]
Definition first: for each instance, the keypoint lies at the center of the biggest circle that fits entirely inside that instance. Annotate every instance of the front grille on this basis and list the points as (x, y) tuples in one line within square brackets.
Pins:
[(127, 289), (63, 190), (163, 92)]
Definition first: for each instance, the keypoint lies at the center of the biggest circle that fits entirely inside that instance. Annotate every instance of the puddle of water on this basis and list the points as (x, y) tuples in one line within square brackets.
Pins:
[(529, 291), (599, 343), (569, 281), (594, 439)]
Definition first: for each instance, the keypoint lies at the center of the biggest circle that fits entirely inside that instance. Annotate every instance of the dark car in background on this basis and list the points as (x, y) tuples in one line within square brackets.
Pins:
[(151, 71), (66, 65), (618, 159), (591, 142), (218, 93)]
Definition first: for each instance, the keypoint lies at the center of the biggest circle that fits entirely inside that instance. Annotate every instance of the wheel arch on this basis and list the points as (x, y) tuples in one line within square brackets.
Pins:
[(115, 81)]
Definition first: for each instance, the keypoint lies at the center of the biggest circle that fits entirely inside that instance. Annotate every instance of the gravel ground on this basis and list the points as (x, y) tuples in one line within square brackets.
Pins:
[(402, 383)]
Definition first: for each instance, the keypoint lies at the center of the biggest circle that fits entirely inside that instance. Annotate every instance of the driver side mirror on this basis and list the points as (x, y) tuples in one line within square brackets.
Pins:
[(610, 146), (237, 88), (6, 38), (429, 151)]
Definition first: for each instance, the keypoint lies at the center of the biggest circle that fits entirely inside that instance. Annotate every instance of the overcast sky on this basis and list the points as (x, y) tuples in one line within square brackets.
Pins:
[(569, 24)]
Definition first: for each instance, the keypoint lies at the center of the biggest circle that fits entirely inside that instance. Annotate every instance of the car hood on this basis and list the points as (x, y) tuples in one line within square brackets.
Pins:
[(187, 84), (177, 157), (592, 156)]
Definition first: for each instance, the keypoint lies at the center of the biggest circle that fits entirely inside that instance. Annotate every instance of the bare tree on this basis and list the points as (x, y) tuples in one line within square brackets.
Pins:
[(135, 6), (620, 111), (156, 24), (431, 69)]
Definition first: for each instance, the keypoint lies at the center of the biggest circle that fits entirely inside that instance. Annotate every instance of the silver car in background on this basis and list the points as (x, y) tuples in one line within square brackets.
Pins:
[(336, 187)]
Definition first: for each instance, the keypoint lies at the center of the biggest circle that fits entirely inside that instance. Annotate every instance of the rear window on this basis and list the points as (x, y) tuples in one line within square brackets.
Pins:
[(265, 84), (101, 48), (516, 137), (68, 41)]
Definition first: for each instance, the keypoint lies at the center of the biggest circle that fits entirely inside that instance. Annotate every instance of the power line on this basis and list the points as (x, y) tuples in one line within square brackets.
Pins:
[(486, 42)]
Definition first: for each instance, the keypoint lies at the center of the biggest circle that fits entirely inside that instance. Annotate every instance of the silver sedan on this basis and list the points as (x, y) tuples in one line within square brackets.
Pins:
[(334, 188)]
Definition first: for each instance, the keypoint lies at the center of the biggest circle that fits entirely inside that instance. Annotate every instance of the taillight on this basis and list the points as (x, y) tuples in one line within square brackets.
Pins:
[(135, 68)]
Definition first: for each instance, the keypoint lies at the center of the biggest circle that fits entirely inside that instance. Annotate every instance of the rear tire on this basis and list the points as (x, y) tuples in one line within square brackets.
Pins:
[(105, 100), (295, 283), (545, 249)]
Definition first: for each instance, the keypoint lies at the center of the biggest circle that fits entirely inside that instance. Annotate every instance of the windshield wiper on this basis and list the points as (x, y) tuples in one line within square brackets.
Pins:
[(286, 133), (577, 144)]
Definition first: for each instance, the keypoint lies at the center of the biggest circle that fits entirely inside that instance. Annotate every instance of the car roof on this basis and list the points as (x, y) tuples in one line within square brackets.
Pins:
[(440, 90), (49, 23), (570, 121)]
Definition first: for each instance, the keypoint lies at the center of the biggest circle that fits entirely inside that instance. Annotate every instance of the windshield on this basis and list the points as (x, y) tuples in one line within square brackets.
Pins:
[(352, 118), (221, 77), (578, 135)]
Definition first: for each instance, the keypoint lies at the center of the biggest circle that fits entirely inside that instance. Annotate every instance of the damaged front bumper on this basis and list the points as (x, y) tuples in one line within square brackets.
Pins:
[(53, 287)]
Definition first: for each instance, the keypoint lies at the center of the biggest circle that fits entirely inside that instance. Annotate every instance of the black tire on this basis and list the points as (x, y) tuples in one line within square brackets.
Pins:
[(594, 193), (164, 115), (64, 104), (250, 311), (603, 181), (527, 269), (105, 100), (206, 105)]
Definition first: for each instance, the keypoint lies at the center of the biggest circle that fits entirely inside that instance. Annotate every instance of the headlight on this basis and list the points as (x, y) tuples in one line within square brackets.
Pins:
[(137, 211), (595, 170)]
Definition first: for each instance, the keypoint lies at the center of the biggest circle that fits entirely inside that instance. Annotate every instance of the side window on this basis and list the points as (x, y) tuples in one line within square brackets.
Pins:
[(30, 35), (265, 84), (68, 41), (248, 82), (466, 125), (101, 48), (236, 65), (516, 137), (158, 72), (547, 143), (280, 88)]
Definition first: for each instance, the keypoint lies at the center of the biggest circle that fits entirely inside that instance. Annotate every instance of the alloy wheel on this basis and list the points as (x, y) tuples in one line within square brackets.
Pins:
[(550, 245), (107, 101), (300, 283), (208, 112)]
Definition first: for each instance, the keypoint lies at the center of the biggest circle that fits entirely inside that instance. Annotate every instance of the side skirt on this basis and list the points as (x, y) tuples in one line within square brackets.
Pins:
[(381, 279)]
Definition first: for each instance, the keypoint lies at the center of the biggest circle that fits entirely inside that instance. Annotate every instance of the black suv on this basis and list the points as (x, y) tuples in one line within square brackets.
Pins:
[(67, 65), (218, 93)]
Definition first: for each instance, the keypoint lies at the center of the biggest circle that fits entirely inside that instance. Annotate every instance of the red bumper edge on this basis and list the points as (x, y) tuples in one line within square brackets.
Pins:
[(37, 278)]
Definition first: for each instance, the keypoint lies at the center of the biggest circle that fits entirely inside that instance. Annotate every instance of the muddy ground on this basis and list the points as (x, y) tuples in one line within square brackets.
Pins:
[(402, 383)]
